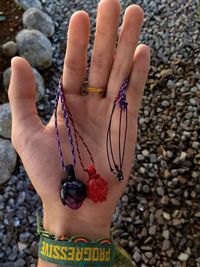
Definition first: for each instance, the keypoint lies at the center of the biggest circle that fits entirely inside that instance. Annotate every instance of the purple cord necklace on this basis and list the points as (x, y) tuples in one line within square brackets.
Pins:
[(72, 190), (68, 128)]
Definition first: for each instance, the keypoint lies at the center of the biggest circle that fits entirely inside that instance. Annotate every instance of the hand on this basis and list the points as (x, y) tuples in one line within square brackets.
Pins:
[(36, 143)]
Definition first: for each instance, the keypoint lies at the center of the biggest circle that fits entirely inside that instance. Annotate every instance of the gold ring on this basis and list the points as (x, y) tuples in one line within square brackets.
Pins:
[(87, 90), (93, 90)]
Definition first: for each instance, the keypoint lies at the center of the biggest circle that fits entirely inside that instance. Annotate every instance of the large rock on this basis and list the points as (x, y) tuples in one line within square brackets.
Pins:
[(9, 49), (34, 18), (34, 46), (6, 78), (25, 4), (40, 86), (5, 121), (8, 159)]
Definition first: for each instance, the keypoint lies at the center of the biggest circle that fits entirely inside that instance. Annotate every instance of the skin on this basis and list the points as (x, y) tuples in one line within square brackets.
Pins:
[(36, 143)]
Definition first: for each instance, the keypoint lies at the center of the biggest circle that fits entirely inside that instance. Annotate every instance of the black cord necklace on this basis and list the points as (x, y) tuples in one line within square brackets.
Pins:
[(114, 167)]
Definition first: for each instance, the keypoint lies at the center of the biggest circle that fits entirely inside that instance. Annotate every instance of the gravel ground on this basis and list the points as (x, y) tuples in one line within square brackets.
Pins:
[(157, 219)]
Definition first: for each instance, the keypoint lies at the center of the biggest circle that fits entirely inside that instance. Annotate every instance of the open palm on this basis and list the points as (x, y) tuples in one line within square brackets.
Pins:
[(36, 143)]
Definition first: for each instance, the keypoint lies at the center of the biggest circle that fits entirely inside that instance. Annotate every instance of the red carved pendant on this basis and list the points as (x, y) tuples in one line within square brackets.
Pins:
[(97, 187)]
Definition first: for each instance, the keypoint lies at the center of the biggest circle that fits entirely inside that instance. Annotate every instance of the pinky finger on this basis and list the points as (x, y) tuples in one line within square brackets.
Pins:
[(138, 77)]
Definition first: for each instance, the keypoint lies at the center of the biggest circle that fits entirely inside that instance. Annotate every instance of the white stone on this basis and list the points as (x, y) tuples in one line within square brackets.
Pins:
[(183, 257), (166, 215)]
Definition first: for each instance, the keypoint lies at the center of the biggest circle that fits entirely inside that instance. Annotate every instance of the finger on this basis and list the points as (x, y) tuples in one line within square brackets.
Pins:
[(105, 41), (22, 94), (129, 35), (138, 77), (76, 53)]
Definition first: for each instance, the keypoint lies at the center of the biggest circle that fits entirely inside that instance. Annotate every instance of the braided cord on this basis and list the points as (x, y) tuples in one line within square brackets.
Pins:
[(68, 119), (76, 134), (67, 123)]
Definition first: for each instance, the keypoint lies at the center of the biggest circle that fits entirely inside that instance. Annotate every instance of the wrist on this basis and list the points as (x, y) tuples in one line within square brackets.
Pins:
[(70, 223)]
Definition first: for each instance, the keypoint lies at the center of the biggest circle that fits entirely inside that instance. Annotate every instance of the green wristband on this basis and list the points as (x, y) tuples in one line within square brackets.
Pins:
[(80, 251), (79, 254)]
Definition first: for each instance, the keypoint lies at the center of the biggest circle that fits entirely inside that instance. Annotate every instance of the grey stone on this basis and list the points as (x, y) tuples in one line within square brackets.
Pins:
[(137, 256), (165, 200), (9, 49), (165, 234), (176, 222), (145, 153), (183, 156), (8, 159), (140, 157), (16, 222), (12, 253), (152, 230), (165, 103), (5, 120), (149, 255), (6, 78), (125, 198), (175, 202), (197, 214), (21, 246), (34, 249), (145, 188), (40, 86), (20, 262), (166, 72), (25, 4), (34, 46), (123, 242), (153, 158), (166, 245), (195, 145), (23, 237), (160, 191), (171, 84), (8, 264), (21, 198), (34, 18)]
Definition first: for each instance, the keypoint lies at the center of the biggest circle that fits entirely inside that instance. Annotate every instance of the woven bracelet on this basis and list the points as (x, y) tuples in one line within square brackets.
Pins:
[(80, 251)]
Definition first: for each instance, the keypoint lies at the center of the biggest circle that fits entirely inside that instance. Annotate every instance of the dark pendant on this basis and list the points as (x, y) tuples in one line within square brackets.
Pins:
[(72, 190)]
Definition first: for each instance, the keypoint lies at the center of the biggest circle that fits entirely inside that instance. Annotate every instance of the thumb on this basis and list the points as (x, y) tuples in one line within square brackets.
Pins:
[(22, 94)]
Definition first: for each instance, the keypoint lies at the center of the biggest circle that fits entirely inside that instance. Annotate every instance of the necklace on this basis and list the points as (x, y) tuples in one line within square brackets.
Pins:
[(72, 190), (121, 101)]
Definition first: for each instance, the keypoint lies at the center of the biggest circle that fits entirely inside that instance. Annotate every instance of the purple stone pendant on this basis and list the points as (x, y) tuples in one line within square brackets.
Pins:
[(72, 190)]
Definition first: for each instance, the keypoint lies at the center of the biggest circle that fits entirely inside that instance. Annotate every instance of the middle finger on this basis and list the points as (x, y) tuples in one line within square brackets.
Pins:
[(105, 41)]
